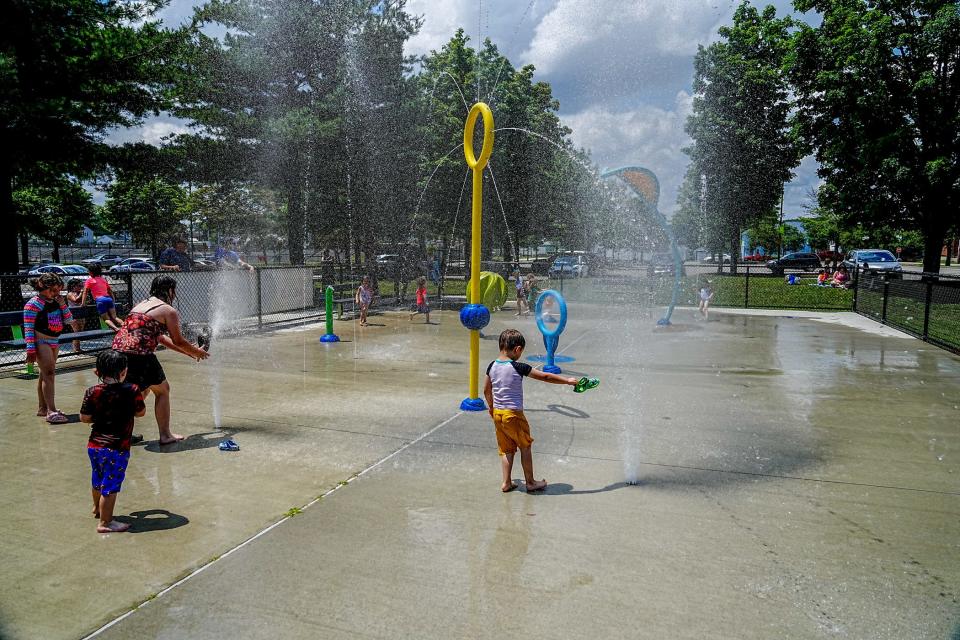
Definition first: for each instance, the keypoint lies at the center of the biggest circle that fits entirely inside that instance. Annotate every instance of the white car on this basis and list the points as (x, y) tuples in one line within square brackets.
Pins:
[(67, 270), (569, 267), (879, 261)]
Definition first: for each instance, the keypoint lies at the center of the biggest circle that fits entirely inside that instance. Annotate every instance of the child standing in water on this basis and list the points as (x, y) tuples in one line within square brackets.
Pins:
[(102, 295), (74, 300), (110, 407), (364, 298), (44, 317), (521, 293), (533, 291), (706, 295), (503, 389), (423, 306)]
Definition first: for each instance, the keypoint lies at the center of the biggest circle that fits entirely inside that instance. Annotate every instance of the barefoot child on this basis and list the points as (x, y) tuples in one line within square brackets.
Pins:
[(503, 389), (111, 407), (74, 300), (422, 305), (44, 317), (99, 289), (706, 295), (364, 298)]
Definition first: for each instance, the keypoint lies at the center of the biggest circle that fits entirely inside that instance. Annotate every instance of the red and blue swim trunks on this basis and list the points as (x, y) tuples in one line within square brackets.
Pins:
[(109, 468)]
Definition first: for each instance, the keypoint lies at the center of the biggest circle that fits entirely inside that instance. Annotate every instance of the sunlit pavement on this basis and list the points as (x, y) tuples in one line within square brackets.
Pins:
[(796, 478)]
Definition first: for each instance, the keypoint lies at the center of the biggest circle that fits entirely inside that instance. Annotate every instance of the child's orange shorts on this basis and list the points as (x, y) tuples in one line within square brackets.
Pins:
[(513, 430)]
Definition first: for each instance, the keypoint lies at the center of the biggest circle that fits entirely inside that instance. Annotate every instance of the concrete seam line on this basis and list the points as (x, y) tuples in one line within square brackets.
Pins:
[(270, 528)]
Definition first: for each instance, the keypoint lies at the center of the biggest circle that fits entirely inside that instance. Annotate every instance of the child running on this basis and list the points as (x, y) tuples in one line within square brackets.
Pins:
[(706, 295), (44, 317), (111, 407), (102, 294), (364, 298), (423, 306), (503, 389)]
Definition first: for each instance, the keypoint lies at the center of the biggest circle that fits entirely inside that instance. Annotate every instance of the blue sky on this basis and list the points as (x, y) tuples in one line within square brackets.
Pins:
[(621, 69)]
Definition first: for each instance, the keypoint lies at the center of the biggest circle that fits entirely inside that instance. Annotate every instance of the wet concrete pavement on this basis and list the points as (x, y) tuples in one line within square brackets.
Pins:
[(795, 478)]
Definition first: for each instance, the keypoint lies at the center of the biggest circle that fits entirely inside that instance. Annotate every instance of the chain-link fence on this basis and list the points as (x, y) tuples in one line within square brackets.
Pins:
[(234, 301), (925, 305)]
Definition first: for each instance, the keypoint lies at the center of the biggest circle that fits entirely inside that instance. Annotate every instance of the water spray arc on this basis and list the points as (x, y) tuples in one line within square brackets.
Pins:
[(475, 316), (644, 183)]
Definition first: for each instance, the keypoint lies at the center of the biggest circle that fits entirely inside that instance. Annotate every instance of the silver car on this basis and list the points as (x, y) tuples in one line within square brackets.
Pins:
[(879, 261)]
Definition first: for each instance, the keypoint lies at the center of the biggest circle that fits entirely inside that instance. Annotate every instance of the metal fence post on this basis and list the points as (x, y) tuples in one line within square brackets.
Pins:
[(746, 287), (129, 278), (260, 299), (856, 284), (926, 308), (886, 291)]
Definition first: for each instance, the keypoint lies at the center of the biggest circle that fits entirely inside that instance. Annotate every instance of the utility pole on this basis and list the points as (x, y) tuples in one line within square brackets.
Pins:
[(783, 190)]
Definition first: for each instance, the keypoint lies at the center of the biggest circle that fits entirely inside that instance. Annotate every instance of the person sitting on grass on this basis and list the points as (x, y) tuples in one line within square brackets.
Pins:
[(503, 390), (841, 278), (44, 317), (822, 278), (110, 408), (102, 294)]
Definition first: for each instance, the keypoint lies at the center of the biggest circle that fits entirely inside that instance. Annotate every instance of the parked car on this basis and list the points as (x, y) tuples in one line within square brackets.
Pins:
[(755, 257), (794, 260), (70, 270), (662, 264), (878, 261), (137, 266), (712, 259), (133, 259), (827, 257), (105, 260), (570, 266)]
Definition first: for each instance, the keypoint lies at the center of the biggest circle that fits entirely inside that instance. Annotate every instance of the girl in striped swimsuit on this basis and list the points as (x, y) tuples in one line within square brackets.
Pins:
[(44, 317)]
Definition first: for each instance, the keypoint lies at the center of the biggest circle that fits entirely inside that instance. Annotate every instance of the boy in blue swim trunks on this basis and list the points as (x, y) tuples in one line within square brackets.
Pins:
[(503, 389), (110, 407)]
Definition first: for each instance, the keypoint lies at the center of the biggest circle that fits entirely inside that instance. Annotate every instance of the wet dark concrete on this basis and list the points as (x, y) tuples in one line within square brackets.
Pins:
[(794, 478)]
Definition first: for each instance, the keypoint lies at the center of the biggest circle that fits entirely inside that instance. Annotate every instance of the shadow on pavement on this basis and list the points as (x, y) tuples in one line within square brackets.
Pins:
[(152, 520), (190, 443)]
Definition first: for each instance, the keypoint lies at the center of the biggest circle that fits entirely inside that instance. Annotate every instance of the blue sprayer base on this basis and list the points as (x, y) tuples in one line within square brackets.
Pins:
[(663, 322), (552, 369), (329, 337), (473, 404)]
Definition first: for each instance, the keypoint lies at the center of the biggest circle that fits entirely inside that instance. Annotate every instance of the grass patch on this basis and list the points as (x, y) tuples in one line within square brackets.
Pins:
[(764, 292), (293, 511)]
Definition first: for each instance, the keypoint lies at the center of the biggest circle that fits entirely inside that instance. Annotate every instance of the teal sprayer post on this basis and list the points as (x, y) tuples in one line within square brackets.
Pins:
[(329, 336)]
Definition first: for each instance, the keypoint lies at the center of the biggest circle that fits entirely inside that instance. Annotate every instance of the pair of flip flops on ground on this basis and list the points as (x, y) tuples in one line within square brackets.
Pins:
[(229, 445), (56, 417), (586, 383)]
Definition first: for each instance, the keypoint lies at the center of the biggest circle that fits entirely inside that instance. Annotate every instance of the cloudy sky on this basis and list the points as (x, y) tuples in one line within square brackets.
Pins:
[(621, 69)]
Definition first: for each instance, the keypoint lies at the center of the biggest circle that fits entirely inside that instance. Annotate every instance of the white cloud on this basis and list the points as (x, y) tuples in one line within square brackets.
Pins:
[(647, 136), (152, 131)]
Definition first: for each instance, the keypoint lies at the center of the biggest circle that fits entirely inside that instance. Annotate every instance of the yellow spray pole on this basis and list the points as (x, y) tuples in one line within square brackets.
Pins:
[(475, 316)]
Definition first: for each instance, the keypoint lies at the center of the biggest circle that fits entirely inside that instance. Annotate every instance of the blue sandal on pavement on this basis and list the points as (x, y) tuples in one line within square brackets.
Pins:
[(229, 445)]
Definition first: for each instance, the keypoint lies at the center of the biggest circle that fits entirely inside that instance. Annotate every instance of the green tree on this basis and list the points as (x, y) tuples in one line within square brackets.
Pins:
[(69, 70), (150, 209), (740, 122), (56, 211), (879, 99)]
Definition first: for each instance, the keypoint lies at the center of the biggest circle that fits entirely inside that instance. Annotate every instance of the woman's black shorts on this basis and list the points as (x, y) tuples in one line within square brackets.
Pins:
[(144, 370)]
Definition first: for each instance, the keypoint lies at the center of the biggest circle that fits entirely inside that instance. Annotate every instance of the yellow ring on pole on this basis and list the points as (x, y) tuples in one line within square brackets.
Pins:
[(474, 162)]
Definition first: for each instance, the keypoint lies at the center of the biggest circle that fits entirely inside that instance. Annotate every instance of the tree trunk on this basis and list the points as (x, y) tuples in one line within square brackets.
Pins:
[(946, 262), (295, 219), (24, 248), (56, 251), (932, 246), (10, 298)]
